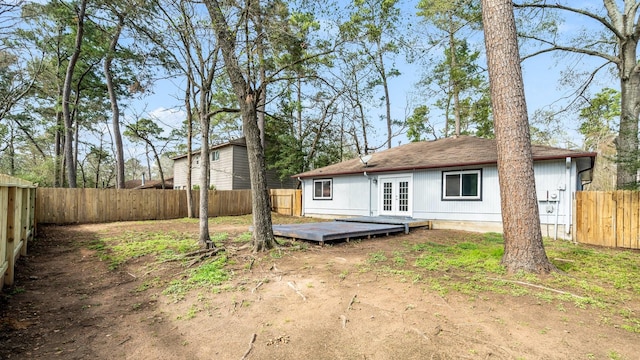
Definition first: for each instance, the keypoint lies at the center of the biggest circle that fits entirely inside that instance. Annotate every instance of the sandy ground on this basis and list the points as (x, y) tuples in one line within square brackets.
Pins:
[(319, 303)]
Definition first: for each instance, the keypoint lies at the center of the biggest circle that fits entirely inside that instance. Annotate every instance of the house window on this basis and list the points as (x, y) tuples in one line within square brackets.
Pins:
[(322, 189), (215, 155), (462, 185)]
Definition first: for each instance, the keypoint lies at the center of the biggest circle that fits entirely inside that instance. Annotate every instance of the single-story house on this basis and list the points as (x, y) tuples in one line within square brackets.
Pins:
[(451, 181), (156, 184), (137, 184), (229, 169)]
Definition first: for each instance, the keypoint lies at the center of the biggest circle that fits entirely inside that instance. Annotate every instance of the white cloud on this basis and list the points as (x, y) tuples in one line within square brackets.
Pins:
[(169, 117)]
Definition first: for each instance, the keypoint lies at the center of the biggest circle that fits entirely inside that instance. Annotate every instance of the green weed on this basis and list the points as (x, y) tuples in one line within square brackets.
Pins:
[(377, 257)]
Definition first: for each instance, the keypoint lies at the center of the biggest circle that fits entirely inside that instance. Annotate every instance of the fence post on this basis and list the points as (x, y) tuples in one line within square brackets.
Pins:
[(11, 236)]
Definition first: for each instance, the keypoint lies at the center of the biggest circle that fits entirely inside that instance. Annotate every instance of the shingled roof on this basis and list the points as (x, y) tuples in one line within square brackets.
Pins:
[(239, 142), (441, 153)]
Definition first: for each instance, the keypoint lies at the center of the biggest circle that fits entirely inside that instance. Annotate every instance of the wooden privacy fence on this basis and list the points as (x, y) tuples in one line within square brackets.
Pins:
[(286, 202), (608, 218), (17, 223), (68, 206)]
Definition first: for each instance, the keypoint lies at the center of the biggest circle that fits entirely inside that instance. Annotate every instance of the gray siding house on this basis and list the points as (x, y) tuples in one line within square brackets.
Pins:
[(452, 181), (229, 169)]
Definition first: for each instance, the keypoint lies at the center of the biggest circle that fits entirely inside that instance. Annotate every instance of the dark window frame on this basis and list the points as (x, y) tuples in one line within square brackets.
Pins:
[(461, 197), (322, 181)]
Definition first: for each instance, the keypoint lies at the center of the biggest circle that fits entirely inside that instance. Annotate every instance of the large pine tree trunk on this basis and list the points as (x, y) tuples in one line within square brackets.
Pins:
[(523, 248)]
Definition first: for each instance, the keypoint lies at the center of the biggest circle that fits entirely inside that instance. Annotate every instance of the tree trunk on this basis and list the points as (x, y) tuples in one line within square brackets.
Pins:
[(205, 123), (146, 148), (627, 141), (187, 106), (66, 96), (115, 117), (455, 87), (263, 238), (387, 101), (523, 248), (363, 120), (58, 179)]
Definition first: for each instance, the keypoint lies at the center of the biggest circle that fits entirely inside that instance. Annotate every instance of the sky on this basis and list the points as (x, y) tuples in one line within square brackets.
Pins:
[(542, 77)]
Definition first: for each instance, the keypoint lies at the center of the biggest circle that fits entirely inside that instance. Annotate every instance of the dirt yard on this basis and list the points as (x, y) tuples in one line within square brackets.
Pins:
[(316, 303)]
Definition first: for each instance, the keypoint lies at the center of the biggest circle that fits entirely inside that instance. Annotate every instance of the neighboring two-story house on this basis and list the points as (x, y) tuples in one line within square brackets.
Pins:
[(229, 169)]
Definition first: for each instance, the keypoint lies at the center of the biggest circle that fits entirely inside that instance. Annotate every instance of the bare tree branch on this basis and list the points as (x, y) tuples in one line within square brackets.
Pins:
[(612, 27)]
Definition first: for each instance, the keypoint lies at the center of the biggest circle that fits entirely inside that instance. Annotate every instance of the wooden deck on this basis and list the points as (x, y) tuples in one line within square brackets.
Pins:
[(347, 229)]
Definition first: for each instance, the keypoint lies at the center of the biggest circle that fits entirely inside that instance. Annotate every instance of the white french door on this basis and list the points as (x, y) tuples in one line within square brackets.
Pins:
[(395, 195)]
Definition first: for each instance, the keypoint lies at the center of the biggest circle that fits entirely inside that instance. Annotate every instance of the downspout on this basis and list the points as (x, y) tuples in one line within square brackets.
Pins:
[(301, 197), (369, 209), (555, 226), (568, 190)]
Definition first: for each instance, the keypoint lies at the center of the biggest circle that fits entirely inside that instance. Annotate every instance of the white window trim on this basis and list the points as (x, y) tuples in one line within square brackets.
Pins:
[(461, 172), (330, 197)]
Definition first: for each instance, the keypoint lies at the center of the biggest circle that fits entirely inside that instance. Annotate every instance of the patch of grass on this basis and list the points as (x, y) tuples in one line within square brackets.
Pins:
[(377, 257), (480, 256), (210, 274), (245, 237), (191, 313), (232, 220), (130, 245), (16, 290), (398, 259)]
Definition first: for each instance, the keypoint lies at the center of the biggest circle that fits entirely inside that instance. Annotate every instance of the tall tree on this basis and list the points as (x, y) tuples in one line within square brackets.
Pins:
[(66, 94), (372, 26), (598, 127), (248, 96), (613, 37), (113, 98), (459, 81), (599, 118), (523, 247), (196, 53)]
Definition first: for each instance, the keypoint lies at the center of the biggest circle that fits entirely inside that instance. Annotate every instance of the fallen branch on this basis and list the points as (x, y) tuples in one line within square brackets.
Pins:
[(257, 286), (538, 286), (351, 302), (253, 339), (292, 285), (125, 340)]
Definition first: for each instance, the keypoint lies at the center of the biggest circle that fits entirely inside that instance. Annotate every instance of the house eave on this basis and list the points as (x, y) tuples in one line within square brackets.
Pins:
[(371, 170)]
